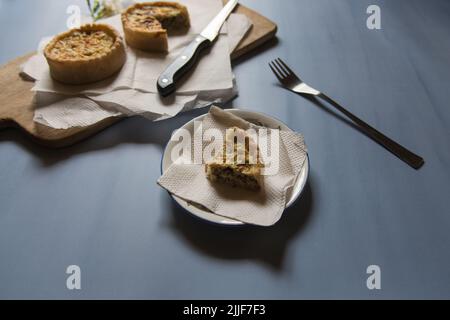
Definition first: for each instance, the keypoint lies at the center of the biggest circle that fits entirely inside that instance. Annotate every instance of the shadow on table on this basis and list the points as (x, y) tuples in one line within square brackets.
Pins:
[(135, 130), (266, 245), (251, 54)]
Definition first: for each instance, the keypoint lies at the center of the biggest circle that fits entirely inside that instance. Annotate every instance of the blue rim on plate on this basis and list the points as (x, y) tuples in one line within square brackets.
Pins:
[(251, 116)]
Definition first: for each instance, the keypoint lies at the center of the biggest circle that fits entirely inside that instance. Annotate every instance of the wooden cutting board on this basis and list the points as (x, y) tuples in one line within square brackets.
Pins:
[(17, 100)]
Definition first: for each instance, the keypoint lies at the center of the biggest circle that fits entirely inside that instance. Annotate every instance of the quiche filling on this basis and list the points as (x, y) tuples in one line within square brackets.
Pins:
[(152, 17), (244, 170), (83, 44)]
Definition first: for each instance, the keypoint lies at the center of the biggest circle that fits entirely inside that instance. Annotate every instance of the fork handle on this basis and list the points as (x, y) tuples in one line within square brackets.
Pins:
[(401, 152)]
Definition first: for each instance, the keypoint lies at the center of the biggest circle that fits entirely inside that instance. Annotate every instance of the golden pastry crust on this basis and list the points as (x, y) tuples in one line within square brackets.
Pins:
[(87, 54), (244, 172), (146, 24)]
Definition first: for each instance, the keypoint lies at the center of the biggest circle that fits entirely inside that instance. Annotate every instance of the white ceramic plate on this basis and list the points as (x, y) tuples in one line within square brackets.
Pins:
[(256, 118)]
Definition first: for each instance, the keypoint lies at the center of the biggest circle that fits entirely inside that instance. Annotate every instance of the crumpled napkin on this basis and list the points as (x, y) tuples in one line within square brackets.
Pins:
[(188, 180), (133, 90)]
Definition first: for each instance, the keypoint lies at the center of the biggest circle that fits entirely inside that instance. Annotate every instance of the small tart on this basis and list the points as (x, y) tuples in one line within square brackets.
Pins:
[(87, 54), (147, 24), (243, 173)]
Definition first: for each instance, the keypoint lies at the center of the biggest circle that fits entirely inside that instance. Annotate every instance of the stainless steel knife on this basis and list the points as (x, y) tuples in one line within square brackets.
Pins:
[(188, 57)]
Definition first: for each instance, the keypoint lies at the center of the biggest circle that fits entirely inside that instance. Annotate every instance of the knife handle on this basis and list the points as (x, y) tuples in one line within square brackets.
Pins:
[(182, 64)]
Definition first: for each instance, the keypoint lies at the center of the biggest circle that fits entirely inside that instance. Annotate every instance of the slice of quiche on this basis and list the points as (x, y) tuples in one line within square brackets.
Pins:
[(147, 24), (238, 166)]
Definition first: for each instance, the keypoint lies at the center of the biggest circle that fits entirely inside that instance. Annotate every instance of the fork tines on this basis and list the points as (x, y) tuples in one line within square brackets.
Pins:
[(282, 71)]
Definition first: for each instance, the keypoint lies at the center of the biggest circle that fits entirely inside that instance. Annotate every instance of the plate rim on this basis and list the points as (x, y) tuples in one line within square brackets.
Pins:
[(230, 222)]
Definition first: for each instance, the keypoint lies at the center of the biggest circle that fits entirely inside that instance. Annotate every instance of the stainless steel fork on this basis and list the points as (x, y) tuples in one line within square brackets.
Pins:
[(292, 82)]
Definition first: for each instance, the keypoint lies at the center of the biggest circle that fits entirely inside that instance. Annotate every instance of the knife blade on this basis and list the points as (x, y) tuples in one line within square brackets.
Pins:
[(189, 56)]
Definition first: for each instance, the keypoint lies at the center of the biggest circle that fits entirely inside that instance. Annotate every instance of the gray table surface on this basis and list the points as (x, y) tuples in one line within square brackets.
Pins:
[(97, 205)]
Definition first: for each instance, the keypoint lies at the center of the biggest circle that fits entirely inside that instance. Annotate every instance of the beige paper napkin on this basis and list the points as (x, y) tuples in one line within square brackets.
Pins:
[(264, 208), (59, 112)]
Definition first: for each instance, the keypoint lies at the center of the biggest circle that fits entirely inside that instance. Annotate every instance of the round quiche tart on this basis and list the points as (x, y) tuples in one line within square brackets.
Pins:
[(87, 54), (147, 24)]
